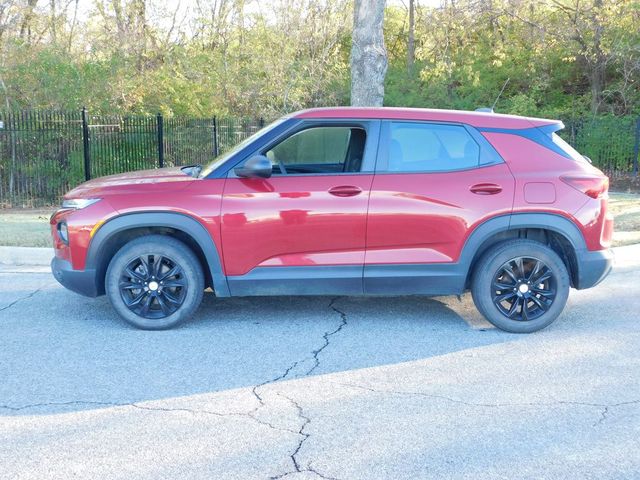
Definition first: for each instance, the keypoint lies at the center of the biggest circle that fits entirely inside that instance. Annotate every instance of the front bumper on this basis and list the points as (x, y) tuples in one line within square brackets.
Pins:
[(593, 267), (79, 281)]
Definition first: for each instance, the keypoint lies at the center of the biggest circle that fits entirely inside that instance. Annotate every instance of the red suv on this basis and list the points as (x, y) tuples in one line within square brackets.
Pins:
[(349, 201)]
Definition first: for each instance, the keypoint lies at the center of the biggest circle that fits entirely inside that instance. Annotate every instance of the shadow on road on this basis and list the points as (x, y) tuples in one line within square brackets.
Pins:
[(59, 348)]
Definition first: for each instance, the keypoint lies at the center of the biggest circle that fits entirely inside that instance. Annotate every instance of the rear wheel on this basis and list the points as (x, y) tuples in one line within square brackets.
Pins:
[(520, 286), (154, 282)]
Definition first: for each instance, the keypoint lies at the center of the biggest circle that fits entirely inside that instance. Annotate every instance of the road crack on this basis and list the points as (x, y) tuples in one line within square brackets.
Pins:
[(135, 405), (315, 356), (256, 391), (21, 299), (115, 404), (300, 412), (261, 402), (304, 436), (327, 335), (603, 415)]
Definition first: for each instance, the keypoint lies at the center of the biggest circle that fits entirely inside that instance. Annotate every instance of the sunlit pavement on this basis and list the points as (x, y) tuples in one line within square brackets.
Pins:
[(367, 388)]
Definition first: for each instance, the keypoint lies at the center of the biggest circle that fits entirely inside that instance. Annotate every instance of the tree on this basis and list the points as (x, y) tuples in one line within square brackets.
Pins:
[(565, 58), (411, 42), (584, 25), (368, 54), (25, 26)]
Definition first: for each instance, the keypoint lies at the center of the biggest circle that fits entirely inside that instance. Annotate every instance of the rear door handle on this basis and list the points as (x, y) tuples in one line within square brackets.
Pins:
[(485, 188), (345, 191)]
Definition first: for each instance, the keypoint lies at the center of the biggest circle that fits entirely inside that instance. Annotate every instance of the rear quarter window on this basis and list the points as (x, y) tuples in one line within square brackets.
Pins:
[(567, 148)]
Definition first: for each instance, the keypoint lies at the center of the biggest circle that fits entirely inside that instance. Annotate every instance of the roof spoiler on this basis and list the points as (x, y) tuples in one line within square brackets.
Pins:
[(552, 127)]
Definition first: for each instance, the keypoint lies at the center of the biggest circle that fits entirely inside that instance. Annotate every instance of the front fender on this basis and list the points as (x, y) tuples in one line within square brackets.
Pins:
[(101, 244)]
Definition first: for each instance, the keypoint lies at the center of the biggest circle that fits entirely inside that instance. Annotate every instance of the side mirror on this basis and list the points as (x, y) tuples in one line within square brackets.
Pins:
[(256, 166)]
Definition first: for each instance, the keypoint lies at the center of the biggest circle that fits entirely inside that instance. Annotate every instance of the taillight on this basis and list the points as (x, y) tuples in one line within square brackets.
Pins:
[(595, 187)]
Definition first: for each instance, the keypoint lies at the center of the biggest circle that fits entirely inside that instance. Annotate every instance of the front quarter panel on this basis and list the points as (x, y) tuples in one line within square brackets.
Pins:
[(80, 224), (200, 201)]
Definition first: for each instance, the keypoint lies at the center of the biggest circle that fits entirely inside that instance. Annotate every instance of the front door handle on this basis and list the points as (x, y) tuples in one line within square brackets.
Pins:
[(345, 191), (485, 188)]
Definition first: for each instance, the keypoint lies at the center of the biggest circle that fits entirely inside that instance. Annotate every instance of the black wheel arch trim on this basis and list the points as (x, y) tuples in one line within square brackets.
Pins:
[(461, 269), (550, 221), (175, 220), (503, 223)]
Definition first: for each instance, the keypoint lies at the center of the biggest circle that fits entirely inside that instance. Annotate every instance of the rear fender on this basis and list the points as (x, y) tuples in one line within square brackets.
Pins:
[(481, 238)]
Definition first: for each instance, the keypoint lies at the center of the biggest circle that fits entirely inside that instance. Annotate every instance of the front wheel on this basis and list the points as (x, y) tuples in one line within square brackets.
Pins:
[(154, 282), (520, 286)]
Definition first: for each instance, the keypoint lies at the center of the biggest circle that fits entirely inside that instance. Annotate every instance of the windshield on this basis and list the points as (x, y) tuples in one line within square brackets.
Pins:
[(223, 157)]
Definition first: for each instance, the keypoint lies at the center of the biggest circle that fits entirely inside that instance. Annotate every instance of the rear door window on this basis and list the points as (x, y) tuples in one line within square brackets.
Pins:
[(428, 147)]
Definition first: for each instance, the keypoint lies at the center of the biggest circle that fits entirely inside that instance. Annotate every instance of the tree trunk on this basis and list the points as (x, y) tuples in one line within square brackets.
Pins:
[(597, 64), (10, 126), (25, 26), (411, 44), (73, 27), (54, 31), (368, 54), (140, 11), (597, 80)]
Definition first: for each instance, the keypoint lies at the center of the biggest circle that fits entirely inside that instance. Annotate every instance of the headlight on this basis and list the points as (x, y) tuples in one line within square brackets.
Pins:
[(78, 203), (63, 233)]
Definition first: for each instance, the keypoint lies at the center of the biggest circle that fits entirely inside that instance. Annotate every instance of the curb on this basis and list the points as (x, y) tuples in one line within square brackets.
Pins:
[(627, 256), (26, 256)]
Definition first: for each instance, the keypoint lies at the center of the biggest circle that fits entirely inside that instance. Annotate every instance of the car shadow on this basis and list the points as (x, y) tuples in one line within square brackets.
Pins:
[(61, 352)]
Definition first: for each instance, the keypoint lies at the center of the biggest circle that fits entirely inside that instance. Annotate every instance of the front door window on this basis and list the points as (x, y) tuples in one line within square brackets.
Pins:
[(319, 150)]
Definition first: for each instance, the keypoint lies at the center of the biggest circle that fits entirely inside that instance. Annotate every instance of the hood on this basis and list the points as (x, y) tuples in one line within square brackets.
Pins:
[(171, 178)]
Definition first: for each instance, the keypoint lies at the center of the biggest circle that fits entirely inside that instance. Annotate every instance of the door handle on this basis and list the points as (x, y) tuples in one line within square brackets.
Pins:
[(345, 191), (485, 188)]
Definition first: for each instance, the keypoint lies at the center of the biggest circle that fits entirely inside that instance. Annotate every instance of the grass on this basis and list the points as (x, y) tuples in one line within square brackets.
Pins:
[(626, 211), (30, 228), (25, 228)]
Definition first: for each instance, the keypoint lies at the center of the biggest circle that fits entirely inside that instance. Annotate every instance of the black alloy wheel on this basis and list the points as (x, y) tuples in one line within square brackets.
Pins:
[(155, 282), (153, 286), (520, 285), (524, 288)]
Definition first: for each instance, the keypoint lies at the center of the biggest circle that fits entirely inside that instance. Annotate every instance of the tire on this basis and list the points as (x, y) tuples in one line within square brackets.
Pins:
[(525, 273), (138, 279)]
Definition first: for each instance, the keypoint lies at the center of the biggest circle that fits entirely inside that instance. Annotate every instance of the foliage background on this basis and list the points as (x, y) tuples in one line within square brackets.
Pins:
[(565, 58), (244, 60)]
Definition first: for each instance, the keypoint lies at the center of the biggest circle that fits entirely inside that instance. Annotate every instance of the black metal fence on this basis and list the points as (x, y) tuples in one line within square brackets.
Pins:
[(613, 143), (44, 154)]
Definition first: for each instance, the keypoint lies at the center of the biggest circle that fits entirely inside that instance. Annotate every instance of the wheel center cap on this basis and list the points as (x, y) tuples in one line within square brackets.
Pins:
[(153, 286), (524, 288)]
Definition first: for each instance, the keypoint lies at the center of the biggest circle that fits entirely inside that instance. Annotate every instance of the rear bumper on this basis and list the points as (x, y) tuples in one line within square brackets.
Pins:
[(79, 281), (593, 267)]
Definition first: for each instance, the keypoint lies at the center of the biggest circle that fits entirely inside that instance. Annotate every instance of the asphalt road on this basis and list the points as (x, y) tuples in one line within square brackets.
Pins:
[(349, 388)]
